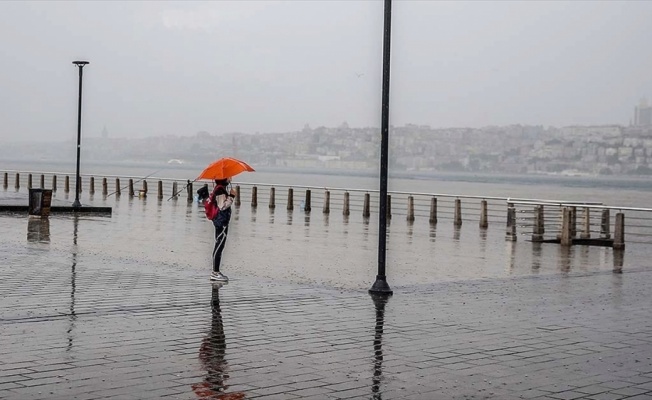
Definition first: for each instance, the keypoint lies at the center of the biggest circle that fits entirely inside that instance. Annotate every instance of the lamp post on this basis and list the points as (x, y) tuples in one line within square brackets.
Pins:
[(380, 286), (80, 65)]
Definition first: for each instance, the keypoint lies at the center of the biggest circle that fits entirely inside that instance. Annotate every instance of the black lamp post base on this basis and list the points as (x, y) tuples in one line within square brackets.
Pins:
[(381, 287), (76, 204)]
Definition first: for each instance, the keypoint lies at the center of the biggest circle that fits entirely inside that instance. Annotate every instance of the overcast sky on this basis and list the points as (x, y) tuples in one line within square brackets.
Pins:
[(177, 68)]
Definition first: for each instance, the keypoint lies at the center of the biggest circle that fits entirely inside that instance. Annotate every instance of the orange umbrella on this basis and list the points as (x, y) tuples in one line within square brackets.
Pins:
[(224, 168)]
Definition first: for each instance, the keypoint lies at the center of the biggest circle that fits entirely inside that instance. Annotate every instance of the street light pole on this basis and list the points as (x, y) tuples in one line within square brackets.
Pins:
[(380, 286), (80, 65)]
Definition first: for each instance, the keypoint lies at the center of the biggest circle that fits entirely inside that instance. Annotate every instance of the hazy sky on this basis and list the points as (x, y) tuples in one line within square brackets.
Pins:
[(182, 67)]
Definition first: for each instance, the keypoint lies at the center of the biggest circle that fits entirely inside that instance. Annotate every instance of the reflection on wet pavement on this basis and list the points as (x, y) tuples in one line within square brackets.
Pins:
[(212, 355), (379, 303)]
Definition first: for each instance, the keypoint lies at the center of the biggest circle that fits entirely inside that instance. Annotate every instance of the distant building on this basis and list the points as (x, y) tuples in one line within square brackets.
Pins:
[(643, 114)]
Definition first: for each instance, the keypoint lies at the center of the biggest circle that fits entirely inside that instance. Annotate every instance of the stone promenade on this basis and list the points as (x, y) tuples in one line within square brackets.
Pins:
[(74, 326)]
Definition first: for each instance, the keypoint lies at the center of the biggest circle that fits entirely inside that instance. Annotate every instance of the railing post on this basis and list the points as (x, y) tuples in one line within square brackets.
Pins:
[(238, 198), (566, 228), (79, 183), (306, 206), (389, 206), (174, 190), (144, 190), (619, 232), (433, 211), (290, 205), (510, 233), (54, 183), (365, 207), (586, 232), (573, 221), (66, 184), (272, 198), (254, 196), (345, 207), (605, 231), (190, 191), (117, 187), (42, 181), (105, 187), (410, 210), (160, 190), (131, 187), (538, 228), (327, 202), (5, 181), (29, 181), (17, 183), (457, 218), (91, 189), (483, 215)]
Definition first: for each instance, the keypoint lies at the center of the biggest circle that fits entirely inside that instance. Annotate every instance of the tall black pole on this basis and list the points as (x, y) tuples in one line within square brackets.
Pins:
[(381, 286), (80, 65)]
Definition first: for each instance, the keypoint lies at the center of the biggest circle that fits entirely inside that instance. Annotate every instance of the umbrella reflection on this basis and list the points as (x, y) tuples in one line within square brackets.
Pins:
[(38, 229), (379, 304), (212, 356)]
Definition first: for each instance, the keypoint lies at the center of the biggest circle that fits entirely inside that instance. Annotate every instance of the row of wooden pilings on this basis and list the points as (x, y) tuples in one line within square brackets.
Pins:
[(567, 234), (346, 210)]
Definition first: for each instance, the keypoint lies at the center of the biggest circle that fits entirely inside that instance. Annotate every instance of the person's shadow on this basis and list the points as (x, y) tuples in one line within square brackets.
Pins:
[(212, 357)]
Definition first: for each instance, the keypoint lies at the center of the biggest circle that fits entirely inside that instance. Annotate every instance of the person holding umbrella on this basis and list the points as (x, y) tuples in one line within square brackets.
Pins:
[(221, 200), (218, 205)]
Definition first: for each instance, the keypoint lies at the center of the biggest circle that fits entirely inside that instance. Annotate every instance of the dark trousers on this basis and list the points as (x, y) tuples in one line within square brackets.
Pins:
[(220, 241)]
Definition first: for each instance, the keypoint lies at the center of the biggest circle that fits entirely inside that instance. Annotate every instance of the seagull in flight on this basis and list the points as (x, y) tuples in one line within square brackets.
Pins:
[(359, 75)]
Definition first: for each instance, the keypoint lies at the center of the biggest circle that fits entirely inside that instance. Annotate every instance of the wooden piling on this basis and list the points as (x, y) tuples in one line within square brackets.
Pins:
[(605, 231), (539, 227), (238, 198), (366, 212), (510, 233), (254, 196), (105, 187), (160, 190), (5, 180), (272, 198), (131, 187), (54, 183), (306, 206), (345, 208), (66, 184), (586, 231), (143, 191), (484, 223), (566, 226), (29, 181), (190, 191), (91, 185), (410, 210), (117, 187), (327, 202), (290, 205), (457, 218), (42, 181), (175, 186), (433, 211), (619, 232)]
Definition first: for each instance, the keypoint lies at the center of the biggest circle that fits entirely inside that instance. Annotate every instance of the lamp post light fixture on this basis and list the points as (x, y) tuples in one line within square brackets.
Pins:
[(381, 287), (80, 65)]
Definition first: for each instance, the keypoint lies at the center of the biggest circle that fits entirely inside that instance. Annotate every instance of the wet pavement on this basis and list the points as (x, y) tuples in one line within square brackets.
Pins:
[(78, 324)]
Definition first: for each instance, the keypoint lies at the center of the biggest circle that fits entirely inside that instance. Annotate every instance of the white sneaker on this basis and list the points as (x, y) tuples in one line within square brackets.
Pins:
[(219, 277)]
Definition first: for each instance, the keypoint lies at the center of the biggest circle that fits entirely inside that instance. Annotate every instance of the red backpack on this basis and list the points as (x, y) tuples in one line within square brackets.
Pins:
[(210, 205)]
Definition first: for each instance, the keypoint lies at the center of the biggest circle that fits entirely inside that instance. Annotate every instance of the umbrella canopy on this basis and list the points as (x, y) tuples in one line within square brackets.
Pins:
[(224, 168)]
